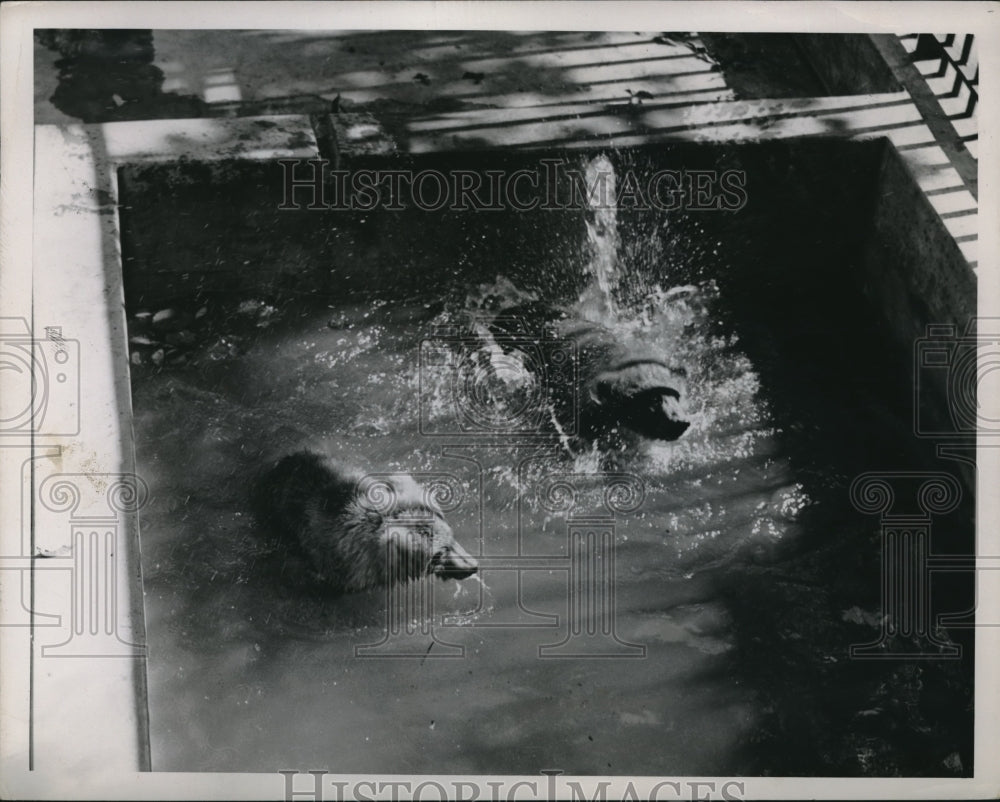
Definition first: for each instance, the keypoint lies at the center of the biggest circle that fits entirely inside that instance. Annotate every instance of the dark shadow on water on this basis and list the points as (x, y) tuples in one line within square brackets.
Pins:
[(840, 394)]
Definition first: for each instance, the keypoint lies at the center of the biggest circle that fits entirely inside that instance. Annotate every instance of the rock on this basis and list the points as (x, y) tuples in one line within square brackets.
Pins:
[(164, 316), (140, 322), (141, 340), (172, 320)]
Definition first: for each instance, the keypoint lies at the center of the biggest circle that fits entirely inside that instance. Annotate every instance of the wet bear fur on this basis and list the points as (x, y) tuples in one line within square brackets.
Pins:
[(316, 514), (621, 387)]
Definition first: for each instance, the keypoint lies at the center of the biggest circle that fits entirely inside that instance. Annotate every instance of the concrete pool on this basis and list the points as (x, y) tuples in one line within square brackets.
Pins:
[(796, 589), (741, 581)]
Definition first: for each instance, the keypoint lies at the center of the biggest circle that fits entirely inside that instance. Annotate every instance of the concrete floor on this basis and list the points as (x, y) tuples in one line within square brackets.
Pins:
[(479, 69), (443, 90)]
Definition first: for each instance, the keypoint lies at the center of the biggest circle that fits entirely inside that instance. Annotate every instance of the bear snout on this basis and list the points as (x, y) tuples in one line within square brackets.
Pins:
[(672, 422), (656, 413), (454, 562)]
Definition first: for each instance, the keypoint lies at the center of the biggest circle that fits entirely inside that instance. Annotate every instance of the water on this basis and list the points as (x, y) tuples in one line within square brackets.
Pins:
[(741, 574), (245, 677), (597, 302)]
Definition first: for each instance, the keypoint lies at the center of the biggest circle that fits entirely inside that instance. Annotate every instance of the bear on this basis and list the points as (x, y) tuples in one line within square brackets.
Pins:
[(620, 387), (353, 541)]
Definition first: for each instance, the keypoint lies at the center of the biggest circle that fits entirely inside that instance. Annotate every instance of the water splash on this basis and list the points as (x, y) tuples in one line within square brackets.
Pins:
[(499, 294), (597, 303), (466, 592)]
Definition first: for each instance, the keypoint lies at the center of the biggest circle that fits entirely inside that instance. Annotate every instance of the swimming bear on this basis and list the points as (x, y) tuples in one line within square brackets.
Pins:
[(624, 386), (619, 385), (352, 540)]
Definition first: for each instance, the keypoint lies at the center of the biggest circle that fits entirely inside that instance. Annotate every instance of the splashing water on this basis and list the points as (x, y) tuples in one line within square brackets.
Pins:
[(673, 323), (692, 564), (669, 323), (597, 303), (474, 589)]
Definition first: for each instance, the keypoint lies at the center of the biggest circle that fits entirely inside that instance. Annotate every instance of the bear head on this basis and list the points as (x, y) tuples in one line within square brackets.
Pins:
[(414, 538), (643, 395)]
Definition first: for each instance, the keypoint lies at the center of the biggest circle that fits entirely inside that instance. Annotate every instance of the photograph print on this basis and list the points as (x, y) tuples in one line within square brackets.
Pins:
[(592, 407)]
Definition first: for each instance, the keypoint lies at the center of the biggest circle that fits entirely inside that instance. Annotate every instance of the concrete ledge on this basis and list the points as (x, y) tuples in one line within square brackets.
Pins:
[(88, 710)]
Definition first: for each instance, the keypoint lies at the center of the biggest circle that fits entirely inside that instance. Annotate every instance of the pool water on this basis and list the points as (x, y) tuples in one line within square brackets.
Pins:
[(739, 581)]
